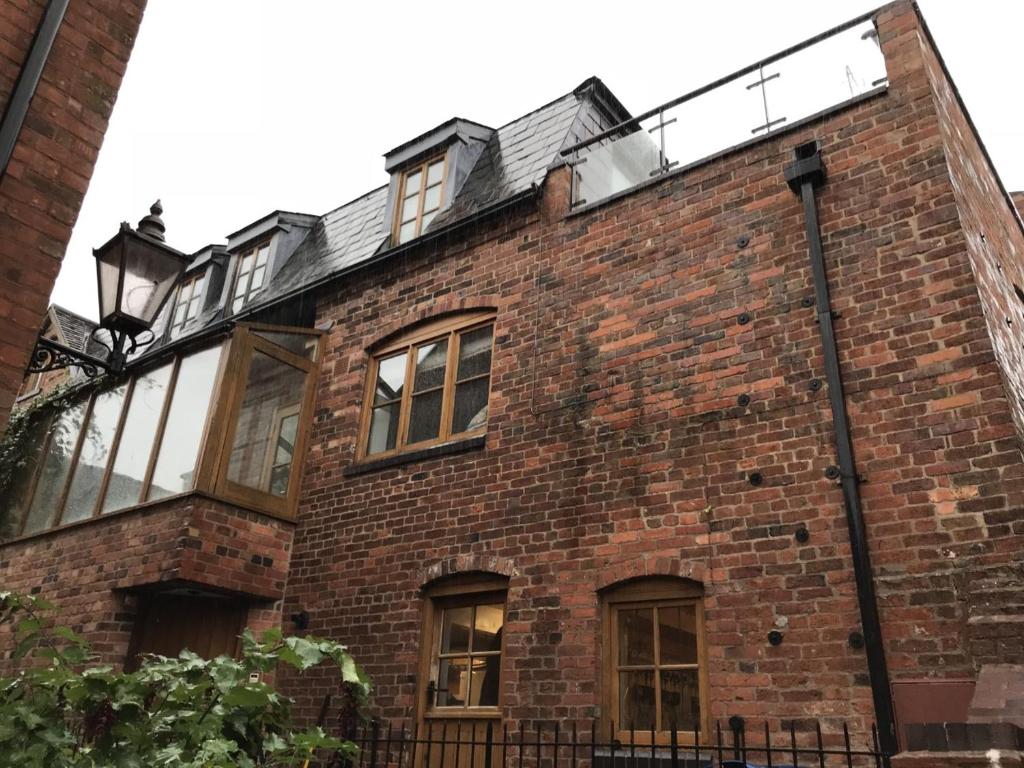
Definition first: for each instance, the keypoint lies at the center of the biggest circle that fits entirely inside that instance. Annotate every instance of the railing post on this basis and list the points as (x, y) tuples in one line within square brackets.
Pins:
[(374, 735), (674, 753), (488, 745)]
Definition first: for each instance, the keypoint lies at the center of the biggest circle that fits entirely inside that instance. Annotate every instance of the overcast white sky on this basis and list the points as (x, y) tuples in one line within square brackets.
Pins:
[(233, 108)]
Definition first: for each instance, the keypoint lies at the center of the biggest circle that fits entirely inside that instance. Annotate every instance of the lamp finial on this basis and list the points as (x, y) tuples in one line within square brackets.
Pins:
[(152, 224)]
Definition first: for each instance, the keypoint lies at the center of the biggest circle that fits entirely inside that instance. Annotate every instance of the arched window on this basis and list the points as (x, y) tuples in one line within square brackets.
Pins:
[(429, 386), (654, 664)]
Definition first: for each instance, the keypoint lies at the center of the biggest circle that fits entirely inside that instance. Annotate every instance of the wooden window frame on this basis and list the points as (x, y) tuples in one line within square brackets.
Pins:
[(247, 295), (215, 458), (457, 591), (210, 469), (173, 328), (451, 329), (422, 167), (650, 592)]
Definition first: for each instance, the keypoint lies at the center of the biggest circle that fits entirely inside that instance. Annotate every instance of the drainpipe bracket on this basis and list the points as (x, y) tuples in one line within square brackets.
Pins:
[(809, 168)]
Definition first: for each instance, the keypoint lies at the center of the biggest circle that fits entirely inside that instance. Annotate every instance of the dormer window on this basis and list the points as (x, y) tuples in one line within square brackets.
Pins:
[(252, 273), (187, 303), (421, 194)]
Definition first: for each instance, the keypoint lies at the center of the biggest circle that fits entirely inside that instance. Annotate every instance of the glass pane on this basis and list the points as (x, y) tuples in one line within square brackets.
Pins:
[(453, 682), (483, 688), (487, 629), (425, 221), (677, 627), (273, 390), (246, 264), (680, 698), (425, 416), (176, 462), (284, 451), (193, 308), (410, 208), (179, 314), (636, 700), (16, 494), (636, 636), (301, 344), (432, 199), (430, 365), (56, 464), (470, 410), (257, 279), (92, 460), (412, 184), (407, 232), (237, 304), (383, 428), (390, 379), (475, 352), (286, 439), (434, 173), (125, 486), (455, 624), (261, 255)]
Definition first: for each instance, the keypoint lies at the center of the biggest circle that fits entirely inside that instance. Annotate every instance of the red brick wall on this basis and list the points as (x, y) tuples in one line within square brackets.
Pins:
[(49, 171), (616, 446), (85, 568), (993, 237)]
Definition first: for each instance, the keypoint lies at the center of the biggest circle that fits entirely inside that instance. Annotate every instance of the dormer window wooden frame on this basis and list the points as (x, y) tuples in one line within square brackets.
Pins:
[(187, 303), (250, 274), (420, 198), (428, 386)]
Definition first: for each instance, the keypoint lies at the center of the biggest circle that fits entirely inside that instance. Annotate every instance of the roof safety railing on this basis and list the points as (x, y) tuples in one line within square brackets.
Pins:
[(815, 76)]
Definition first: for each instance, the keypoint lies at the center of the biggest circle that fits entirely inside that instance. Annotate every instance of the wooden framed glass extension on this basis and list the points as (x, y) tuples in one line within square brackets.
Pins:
[(229, 418), (420, 197), (429, 386), (654, 670)]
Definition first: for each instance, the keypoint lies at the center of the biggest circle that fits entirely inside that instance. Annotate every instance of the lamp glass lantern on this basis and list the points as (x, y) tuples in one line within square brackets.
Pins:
[(135, 273)]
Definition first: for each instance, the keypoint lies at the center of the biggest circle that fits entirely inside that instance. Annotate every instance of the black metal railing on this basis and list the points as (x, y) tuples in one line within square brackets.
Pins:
[(487, 744)]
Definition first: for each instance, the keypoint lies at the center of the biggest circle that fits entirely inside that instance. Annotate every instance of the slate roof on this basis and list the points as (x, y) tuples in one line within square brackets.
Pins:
[(514, 163), (516, 159)]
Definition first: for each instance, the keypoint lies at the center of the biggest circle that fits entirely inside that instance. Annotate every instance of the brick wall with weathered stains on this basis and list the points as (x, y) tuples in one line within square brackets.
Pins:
[(616, 445), (49, 171)]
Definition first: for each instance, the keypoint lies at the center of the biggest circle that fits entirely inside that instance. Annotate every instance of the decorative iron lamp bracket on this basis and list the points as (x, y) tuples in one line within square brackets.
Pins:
[(136, 272)]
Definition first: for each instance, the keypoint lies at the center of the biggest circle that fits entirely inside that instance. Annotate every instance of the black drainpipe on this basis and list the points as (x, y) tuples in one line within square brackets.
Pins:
[(28, 80), (803, 175)]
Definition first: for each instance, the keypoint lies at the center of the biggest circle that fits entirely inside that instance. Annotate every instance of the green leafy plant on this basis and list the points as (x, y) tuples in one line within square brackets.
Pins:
[(64, 710)]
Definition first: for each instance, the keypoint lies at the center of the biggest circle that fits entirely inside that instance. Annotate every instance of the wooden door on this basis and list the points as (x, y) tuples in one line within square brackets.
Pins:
[(207, 625)]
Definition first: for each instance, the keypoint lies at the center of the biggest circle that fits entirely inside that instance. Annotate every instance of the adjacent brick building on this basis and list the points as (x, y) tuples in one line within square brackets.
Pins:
[(55, 145), (572, 453)]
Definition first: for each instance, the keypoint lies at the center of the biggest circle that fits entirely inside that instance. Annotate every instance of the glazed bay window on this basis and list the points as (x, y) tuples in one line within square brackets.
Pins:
[(429, 386), (228, 419), (419, 200)]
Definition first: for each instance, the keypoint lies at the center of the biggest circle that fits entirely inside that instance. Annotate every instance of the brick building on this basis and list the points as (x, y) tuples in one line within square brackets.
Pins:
[(651, 419), (61, 65)]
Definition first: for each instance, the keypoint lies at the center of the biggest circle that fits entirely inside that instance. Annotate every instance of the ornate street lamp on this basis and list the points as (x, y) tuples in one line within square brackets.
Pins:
[(136, 272)]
